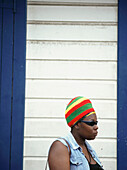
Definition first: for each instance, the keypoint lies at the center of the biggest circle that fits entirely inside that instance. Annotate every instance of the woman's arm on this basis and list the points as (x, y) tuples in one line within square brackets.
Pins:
[(58, 157)]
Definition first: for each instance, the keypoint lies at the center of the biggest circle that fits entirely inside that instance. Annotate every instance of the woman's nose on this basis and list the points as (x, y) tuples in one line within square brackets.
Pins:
[(95, 127)]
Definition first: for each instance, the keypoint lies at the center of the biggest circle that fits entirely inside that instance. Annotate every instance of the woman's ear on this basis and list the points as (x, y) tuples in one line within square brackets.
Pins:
[(77, 126)]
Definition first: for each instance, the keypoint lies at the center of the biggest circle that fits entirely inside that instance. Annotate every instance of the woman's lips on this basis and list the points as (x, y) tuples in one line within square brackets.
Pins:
[(95, 133)]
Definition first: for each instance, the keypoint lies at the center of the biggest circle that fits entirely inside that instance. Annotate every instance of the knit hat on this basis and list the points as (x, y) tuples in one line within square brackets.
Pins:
[(78, 108)]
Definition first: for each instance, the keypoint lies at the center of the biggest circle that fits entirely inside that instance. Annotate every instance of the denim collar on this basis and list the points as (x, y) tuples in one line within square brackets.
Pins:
[(73, 141)]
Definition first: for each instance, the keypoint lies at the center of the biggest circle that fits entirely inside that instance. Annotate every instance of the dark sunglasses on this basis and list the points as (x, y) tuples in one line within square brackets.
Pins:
[(90, 123)]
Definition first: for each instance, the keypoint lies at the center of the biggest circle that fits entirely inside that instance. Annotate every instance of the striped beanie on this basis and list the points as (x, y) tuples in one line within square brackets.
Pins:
[(78, 108)]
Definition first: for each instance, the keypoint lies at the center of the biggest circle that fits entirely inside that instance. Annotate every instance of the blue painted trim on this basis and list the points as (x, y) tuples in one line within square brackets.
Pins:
[(1, 40), (122, 86), (12, 83), (18, 86), (6, 4), (6, 86)]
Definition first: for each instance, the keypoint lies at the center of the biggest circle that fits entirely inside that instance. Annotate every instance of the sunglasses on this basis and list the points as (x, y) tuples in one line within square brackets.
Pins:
[(90, 123)]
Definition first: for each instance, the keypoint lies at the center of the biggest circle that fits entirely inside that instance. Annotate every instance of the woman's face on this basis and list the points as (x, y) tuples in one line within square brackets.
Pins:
[(86, 131)]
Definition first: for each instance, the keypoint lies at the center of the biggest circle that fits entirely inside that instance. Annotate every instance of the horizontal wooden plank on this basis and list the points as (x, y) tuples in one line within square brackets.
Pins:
[(45, 127), (45, 108), (71, 50), (72, 32), (39, 163), (105, 109), (85, 1), (79, 69), (35, 147), (70, 89), (42, 108), (107, 128), (109, 163), (34, 163), (104, 147), (72, 13), (58, 127)]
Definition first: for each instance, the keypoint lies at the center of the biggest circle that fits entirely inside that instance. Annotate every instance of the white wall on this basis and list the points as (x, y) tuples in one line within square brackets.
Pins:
[(71, 51)]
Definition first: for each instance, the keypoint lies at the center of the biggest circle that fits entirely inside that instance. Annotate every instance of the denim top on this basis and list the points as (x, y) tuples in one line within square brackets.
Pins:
[(78, 160)]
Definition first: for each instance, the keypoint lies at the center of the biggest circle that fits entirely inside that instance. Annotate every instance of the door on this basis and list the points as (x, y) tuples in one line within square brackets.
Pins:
[(12, 82)]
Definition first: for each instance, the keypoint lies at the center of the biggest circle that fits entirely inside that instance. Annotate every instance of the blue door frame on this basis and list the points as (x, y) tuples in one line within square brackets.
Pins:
[(12, 82), (122, 87)]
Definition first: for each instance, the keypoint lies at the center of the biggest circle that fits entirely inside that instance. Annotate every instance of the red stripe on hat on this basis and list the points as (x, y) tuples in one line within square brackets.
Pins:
[(76, 107), (80, 116)]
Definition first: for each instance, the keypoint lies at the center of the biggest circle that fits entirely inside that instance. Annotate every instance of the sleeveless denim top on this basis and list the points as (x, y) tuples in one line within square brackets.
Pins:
[(77, 159)]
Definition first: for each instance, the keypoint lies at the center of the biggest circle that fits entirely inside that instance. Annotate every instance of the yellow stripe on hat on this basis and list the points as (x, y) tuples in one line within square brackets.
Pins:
[(75, 103), (90, 114)]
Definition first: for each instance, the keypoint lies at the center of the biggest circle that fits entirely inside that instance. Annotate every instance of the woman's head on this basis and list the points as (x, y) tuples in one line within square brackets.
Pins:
[(80, 116)]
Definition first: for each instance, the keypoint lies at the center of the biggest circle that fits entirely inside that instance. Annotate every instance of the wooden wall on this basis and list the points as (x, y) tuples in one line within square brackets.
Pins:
[(71, 51)]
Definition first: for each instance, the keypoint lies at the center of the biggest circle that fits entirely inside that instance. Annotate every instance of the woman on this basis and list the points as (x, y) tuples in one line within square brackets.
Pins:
[(73, 151)]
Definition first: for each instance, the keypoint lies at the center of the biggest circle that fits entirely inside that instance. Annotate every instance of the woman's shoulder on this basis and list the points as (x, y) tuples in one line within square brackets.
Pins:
[(59, 145), (58, 154)]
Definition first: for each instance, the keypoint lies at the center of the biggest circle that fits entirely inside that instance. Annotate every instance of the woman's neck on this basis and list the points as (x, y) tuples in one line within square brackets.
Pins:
[(78, 138)]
